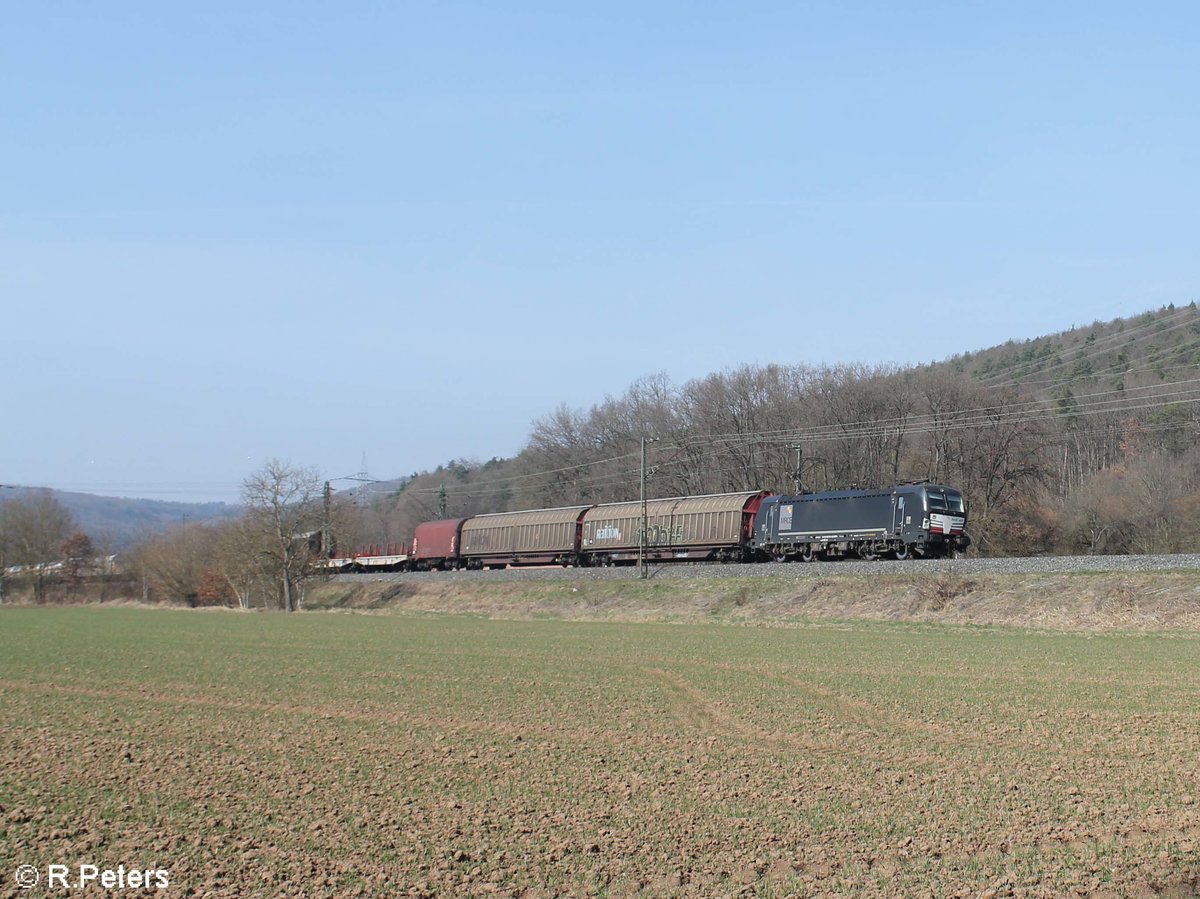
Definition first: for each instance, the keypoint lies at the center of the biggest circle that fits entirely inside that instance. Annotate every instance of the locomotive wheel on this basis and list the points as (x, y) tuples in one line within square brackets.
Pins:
[(901, 553), (807, 554), (779, 557), (868, 555)]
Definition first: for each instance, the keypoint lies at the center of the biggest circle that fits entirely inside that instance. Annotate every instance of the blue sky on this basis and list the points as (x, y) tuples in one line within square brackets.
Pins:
[(230, 232)]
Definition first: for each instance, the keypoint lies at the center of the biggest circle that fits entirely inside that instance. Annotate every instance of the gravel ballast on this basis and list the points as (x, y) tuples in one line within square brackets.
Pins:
[(964, 566)]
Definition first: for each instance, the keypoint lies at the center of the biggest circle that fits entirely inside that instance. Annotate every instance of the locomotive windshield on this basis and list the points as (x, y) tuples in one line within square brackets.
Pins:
[(945, 502)]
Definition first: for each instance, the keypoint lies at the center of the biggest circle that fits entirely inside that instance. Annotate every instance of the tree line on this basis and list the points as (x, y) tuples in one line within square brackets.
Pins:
[(262, 559), (1085, 442)]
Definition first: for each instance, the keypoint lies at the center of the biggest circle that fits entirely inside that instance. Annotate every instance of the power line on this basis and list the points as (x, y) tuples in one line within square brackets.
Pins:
[(997, 421), (993, 417), (1097, 347), (1033, 410), (1154, 368), (1089, 352)]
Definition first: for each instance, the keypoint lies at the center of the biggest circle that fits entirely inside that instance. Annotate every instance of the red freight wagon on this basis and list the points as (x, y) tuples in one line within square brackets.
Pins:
[(435, 543)]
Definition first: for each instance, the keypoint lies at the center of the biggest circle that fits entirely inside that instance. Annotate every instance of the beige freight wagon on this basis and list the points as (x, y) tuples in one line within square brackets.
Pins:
[(538, 537), (684, 527)]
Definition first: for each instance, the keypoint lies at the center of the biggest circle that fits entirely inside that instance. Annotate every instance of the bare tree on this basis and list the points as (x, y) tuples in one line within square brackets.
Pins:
[(283, 509), (172, 565), (77, 552), (241, 563), (33, 528), (1098, 514)]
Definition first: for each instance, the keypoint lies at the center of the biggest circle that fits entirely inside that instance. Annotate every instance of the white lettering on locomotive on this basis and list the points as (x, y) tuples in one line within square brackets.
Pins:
[(946, 524)]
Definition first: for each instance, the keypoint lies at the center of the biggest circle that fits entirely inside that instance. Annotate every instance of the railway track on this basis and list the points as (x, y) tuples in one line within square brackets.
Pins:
[(697, 570)]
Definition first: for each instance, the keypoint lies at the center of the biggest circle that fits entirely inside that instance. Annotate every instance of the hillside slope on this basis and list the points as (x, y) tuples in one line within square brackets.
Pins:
[(1082, 441), (115, 523)]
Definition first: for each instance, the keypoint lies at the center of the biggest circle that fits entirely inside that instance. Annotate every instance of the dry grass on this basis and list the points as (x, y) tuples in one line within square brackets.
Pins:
[(1091, 601), (938, 592)]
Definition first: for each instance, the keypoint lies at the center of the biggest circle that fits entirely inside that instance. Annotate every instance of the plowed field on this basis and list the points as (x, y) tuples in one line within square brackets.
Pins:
[(374, 755)]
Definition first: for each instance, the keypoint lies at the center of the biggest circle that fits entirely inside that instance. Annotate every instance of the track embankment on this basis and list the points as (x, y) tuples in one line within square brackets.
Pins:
[(1131, 600)]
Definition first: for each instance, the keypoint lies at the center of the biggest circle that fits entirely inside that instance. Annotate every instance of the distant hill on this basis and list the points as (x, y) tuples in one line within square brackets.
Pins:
[(115, 523)]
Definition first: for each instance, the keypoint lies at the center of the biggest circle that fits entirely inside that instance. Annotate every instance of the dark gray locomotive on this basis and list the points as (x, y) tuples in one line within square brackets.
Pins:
[(924, 520)]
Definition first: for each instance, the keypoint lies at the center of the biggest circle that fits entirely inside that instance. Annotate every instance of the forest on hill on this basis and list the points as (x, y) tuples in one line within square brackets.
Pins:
[(1083, 441)]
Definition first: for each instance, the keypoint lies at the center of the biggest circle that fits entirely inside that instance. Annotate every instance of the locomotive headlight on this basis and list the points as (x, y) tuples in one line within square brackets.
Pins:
[(925, 524)]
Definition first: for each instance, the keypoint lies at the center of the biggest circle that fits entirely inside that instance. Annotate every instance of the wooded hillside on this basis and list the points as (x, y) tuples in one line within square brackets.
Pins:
[(1079, 441)]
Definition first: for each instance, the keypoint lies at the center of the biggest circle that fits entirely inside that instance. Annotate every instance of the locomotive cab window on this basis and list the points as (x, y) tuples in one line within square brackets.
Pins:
[(945, 502)]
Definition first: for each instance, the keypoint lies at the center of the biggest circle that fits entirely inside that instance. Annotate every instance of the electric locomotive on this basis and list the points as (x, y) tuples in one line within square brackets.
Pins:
[(923, 520)]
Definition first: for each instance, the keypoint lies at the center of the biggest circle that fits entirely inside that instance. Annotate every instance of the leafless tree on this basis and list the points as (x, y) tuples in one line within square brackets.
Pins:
[(283, 509), (1098, 514), (239, 560), (31, 530), (172, 565), (77, 552)]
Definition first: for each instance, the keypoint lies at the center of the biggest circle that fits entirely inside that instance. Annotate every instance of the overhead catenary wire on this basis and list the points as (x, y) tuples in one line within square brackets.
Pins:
[(964, 423), (1121, 400), (1136, 331), (1183, 317), (625, 477), (872, 428)]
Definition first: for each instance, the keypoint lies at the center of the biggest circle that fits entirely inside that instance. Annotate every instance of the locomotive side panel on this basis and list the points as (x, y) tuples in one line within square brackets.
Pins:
[(836, 517)]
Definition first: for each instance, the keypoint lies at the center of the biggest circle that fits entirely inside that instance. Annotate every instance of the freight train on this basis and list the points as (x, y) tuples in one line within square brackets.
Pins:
[(916, 520)]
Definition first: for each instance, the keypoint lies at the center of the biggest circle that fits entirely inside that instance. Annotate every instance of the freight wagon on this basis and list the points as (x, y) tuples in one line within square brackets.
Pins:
[(694, 528), (435, 543), (538, 537)]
